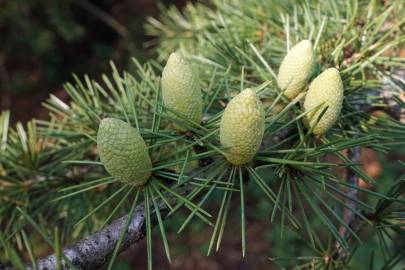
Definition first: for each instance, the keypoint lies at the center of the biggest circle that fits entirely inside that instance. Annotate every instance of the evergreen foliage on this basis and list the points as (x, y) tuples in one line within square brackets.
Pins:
[(53, 184)]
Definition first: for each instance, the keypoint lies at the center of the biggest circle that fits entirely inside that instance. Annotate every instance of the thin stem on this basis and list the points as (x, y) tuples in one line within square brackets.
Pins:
[(349, 216)]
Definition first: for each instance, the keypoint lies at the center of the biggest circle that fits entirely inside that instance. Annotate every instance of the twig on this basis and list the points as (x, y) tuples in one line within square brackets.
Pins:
[(103, 16), (5, 100), (94, 250), (349, 216), (393, 88), (283, 134)]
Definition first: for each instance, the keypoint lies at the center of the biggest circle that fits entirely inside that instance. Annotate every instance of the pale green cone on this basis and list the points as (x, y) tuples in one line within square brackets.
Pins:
[(242, 127), (296, 68), (181, 90), (123, 152), (327, 88)]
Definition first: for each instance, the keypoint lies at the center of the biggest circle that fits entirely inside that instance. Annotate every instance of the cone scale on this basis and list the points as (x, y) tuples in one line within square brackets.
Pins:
[(181, 91), (326, 90), (242, 127), (296, 68), (123, 152)]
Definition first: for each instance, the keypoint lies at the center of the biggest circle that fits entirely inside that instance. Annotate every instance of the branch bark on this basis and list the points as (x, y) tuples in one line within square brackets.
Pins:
[(349, 217), (95, 250)]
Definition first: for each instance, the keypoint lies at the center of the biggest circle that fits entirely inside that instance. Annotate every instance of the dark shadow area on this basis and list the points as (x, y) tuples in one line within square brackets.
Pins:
[(43, 42)]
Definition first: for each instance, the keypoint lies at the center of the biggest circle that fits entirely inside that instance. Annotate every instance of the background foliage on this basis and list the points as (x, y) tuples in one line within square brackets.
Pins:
[(43, 42)]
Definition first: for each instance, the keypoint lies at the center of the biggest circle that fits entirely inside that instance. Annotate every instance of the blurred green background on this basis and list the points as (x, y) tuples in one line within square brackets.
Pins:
[(43, 42)]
